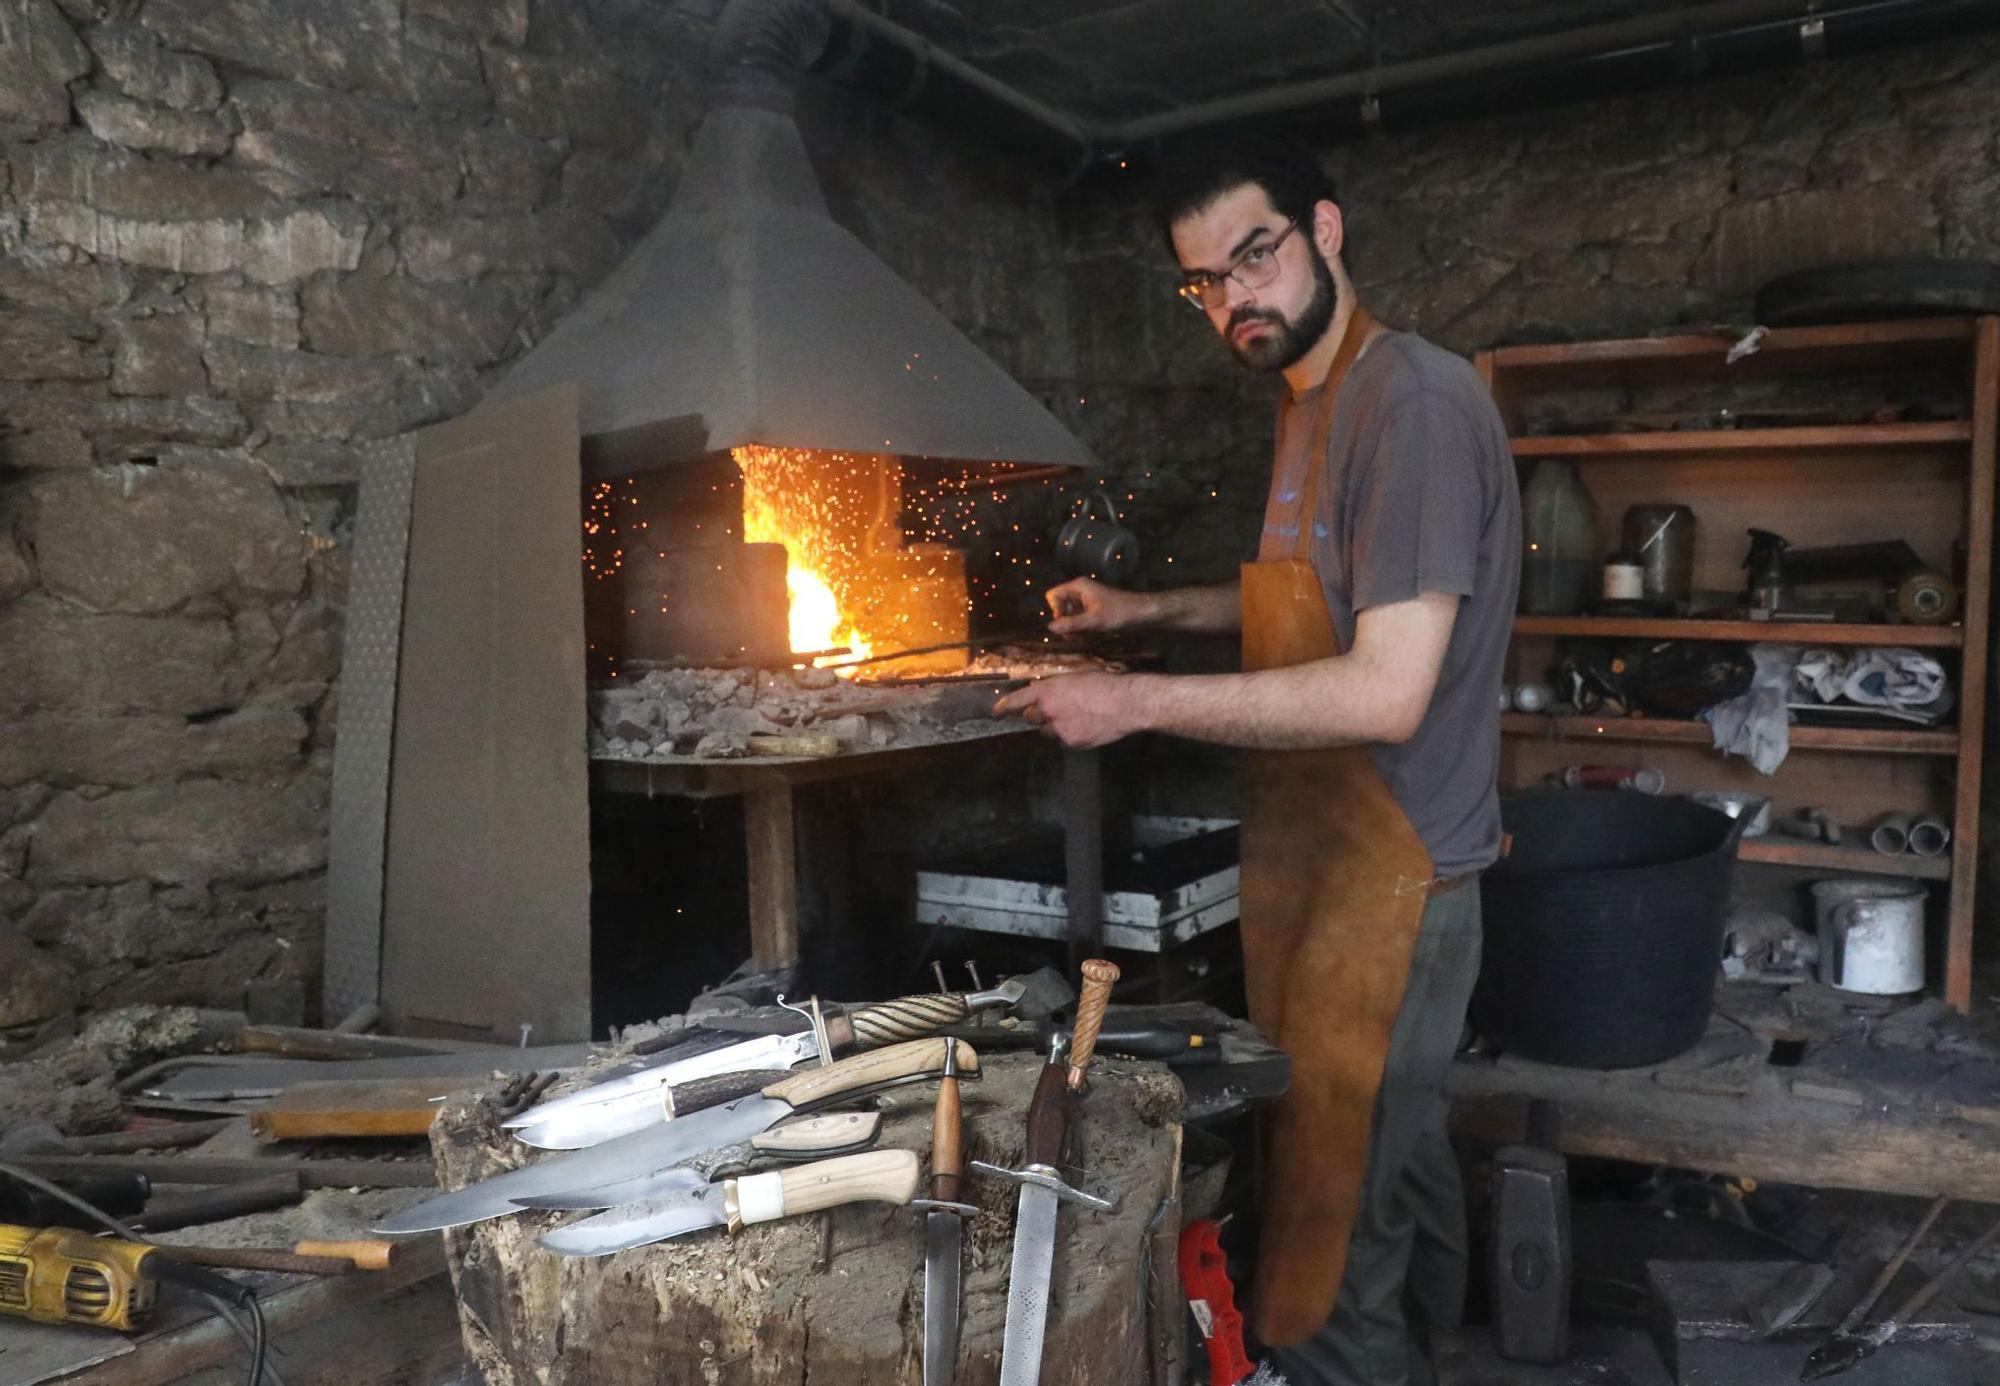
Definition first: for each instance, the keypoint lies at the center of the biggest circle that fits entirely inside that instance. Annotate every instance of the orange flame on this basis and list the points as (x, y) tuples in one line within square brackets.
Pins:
[(782, 505)]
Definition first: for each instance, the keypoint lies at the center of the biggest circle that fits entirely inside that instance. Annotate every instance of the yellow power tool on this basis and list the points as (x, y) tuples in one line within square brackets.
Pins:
[(60, 1275)]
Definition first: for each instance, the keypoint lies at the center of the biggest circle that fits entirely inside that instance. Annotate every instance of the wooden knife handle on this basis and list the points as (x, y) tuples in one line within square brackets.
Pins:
[(891, 1022), (1098, 975), (947, 1143), (827, 1131), (366, 1255), (879, 1176), (1048, 1114), (866, 1070), (718, 1088)]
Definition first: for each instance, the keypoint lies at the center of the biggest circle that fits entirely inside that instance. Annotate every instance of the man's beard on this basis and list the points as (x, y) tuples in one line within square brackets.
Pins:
[(1294, 338)]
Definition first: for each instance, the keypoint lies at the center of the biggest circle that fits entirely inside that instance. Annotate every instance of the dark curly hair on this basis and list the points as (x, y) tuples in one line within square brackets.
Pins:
[(1201, 169)]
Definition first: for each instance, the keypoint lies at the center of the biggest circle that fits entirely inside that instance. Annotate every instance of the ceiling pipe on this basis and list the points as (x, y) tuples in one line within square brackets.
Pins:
[(1106, 140)]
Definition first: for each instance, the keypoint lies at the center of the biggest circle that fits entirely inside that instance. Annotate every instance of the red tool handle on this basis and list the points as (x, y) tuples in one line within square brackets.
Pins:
[(1205, 1282)]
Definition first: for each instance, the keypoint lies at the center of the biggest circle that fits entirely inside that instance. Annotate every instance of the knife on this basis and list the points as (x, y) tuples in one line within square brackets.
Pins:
[(1042, 1185), (631, 1100), (944, 1231), (879, 1176), (633, 1158), (801, 1138)]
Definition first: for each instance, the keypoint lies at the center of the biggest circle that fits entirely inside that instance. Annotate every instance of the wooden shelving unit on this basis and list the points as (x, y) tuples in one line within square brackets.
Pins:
[(1929, 482)]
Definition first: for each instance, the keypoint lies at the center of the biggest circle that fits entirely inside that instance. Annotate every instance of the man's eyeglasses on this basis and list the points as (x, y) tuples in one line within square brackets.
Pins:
[(1255, 268)]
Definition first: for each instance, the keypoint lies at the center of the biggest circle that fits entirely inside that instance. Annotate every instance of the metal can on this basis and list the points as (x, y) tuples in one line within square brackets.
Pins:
[(1642, 778)]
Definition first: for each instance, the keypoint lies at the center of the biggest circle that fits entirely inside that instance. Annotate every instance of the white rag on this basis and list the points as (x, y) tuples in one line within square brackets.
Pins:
[(1886, 677), (1756, 724)]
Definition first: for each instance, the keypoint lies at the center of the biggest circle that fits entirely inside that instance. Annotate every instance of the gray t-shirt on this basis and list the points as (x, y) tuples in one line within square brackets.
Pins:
[(1419, 496)]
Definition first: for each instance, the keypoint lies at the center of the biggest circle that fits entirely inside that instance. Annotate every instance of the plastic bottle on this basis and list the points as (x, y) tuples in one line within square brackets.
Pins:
[(1560, 568)]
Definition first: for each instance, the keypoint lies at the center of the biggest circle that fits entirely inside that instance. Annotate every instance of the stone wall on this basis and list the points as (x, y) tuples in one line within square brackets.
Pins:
[(238, 238)]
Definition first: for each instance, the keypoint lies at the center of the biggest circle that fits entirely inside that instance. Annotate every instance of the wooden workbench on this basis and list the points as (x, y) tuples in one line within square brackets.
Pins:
[(1798, 1087)]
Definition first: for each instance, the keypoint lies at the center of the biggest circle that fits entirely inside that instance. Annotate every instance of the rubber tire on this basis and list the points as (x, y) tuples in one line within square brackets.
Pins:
[(1915, 287)]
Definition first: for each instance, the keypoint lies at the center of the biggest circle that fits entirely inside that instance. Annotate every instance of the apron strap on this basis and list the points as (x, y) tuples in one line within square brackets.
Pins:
[(1359, 326)]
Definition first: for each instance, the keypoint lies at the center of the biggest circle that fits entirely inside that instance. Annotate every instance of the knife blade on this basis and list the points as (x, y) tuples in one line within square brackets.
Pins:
[(593, 1125), (642, 1153), (802, 1138), (630, 1100), (879, 1176), (944, 1231)]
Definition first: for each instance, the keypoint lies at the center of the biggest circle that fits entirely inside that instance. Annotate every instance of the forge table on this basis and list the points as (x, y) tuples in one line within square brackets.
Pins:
[(767, 784)]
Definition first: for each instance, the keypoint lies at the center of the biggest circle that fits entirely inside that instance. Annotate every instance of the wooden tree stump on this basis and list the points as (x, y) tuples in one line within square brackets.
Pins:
[(837, 1298)]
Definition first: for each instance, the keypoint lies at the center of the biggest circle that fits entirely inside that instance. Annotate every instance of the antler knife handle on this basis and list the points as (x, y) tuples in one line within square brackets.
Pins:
[(718, 1088), (1098, 975), (891, 1022), (858, 1071)]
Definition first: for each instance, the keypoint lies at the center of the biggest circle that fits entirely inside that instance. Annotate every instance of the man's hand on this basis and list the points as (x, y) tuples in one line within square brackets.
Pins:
[(1082, 710), (1085, 604)]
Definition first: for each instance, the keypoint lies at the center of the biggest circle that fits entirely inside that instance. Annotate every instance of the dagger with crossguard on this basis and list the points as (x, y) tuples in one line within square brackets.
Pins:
[(1042, 1184)]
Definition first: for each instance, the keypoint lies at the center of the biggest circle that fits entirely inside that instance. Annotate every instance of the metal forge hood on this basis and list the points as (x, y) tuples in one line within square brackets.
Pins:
[(747, 316)]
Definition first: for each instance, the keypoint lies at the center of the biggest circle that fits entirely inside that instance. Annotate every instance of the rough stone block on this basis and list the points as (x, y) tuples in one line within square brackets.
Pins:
[(17, 575), (332, 43), (158, 355), (498, 21), (261, 317), (45, 449), (58, 279), (123, 184), (34, 986), (138, 426), (304, 141), (1755, 241), (273, 250), (565, 239), (142, 69), (577, 98), (60, 658), (65, 750), (254, 373), (194, 831), (308, 647), (366, 315), (32, 348), (507, 169), (39, 54), (136, 125), (146, 539)]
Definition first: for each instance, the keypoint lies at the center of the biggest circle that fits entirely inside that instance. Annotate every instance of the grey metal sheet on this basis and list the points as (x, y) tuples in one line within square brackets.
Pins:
[(257, 1078), (357, 832), (487, 900)]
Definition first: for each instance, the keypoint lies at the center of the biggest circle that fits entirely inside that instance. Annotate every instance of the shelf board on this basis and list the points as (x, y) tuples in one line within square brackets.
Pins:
[(1781, 851), (1683, 442), (1803, 738), (1913, 344), (1783, 632)]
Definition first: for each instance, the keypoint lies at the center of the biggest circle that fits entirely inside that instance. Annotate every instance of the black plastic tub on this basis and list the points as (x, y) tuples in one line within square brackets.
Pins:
[(1603, 926)]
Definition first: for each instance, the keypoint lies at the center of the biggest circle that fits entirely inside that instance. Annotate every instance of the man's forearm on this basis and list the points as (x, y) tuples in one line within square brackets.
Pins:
[(1213, 610), (1327, 702)]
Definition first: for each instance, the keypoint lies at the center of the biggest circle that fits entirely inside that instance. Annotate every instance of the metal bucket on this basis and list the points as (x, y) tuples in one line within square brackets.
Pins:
[(1871, 935)]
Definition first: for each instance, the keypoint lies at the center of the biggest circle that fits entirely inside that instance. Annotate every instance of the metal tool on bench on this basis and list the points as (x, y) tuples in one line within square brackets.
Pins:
[(1856, 1339), (629, 1160), (802, 1138), (944, 1232), (1042, 1184), (633, 1101), (878, 1176)]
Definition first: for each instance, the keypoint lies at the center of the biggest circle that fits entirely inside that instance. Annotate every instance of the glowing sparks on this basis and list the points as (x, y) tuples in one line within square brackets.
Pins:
[(786, 500)]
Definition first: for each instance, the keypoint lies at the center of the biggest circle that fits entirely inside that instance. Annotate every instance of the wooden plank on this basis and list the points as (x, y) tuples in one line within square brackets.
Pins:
[(205, 1169), (374, 1107), (1782, 632), (1774, 1133), (1908, 345), (1883, 742), (1972, 676), (1950, 433), (769, 842), (1781, 851), (174, 1355)]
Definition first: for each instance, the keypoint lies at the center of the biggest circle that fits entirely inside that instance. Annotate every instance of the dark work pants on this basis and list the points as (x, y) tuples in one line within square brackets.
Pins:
[(1406, 1260)]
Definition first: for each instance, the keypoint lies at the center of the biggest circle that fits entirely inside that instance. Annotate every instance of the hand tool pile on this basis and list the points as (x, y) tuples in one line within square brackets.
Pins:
[(729, 1136)]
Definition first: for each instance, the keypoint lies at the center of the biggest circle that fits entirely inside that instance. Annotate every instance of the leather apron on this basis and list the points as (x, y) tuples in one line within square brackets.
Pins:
[(1334, 883)]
